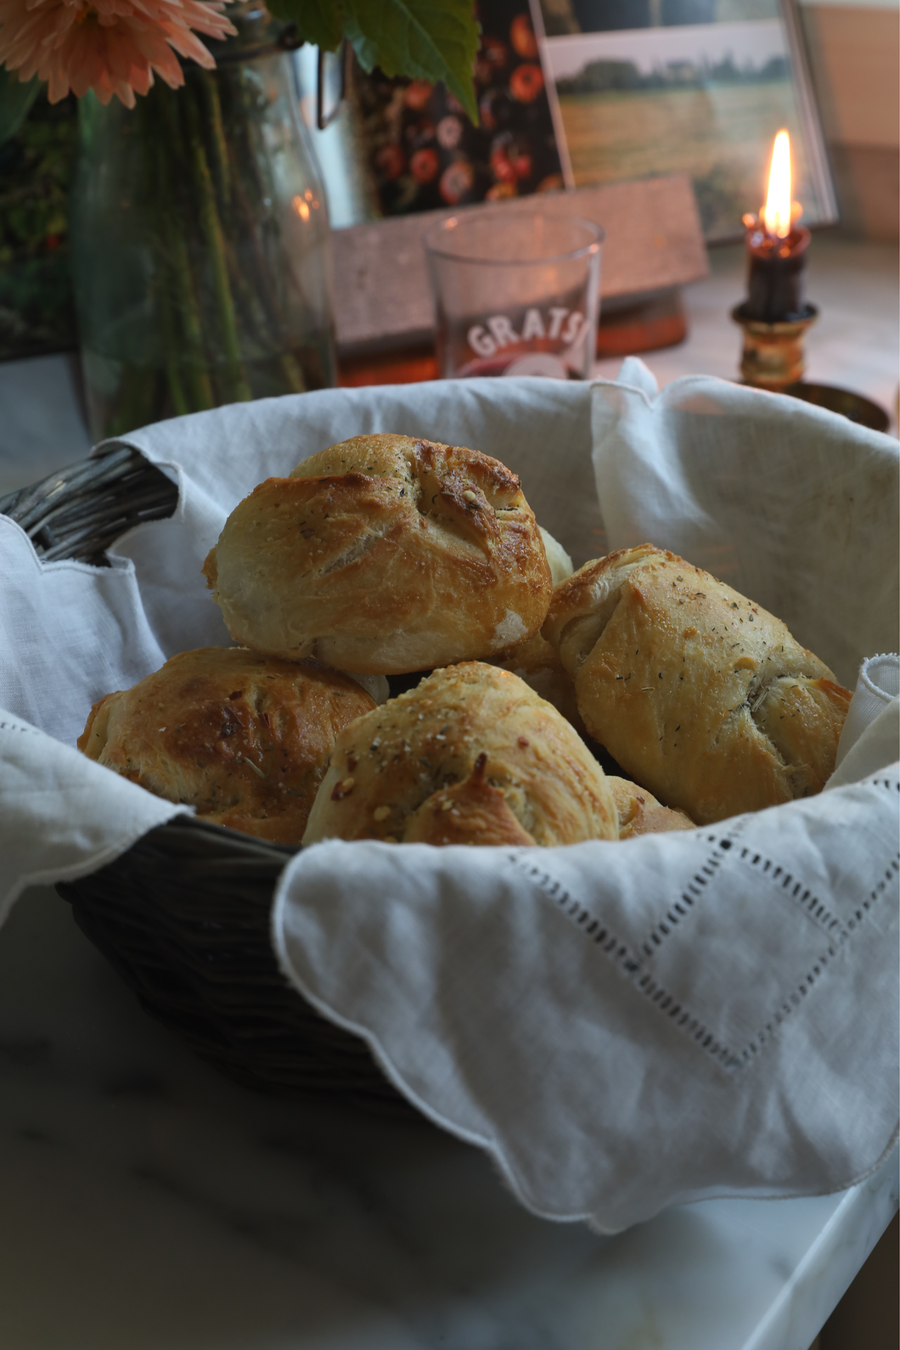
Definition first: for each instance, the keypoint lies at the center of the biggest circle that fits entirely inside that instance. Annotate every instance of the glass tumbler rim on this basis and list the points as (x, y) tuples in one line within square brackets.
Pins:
[(434, 232)]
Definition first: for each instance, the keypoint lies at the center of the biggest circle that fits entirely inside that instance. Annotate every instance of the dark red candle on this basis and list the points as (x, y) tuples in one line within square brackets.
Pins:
[(775, 280), (776, 249)]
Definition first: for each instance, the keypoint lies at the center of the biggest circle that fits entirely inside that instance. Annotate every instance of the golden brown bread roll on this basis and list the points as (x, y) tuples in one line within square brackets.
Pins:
[(383, 554), (244, 738), (640, 813), (697, 692), (470, 812), (470, 756), (537, 662)]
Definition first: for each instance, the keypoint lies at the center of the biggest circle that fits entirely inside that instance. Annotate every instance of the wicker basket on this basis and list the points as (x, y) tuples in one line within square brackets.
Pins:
[(183, 916)]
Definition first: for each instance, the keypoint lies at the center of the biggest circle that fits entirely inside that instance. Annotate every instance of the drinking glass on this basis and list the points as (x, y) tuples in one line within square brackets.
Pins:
[(515, 293)]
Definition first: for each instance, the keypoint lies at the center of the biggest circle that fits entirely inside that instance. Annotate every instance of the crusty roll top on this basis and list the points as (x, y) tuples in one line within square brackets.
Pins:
[(471, 755), (699, 693), (640, 813), (383, 555), (243, 738)]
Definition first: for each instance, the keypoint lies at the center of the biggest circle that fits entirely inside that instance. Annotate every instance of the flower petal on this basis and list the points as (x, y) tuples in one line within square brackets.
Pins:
[(111, 46)]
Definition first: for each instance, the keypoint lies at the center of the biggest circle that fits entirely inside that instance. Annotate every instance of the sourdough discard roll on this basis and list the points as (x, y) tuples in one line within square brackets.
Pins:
[(470, 756), (696, 691), (243, 738), (382, 555)]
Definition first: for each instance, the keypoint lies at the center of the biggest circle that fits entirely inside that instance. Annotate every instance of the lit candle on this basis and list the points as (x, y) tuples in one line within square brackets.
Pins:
[(776, 246)]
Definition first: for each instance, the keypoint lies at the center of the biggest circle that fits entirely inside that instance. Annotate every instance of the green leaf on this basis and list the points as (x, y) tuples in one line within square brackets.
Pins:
[(426, 39), (318, 21)]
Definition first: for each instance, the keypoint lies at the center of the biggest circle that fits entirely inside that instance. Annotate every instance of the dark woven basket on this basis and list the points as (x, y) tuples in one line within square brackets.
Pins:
[(183, 916), (80, 511)]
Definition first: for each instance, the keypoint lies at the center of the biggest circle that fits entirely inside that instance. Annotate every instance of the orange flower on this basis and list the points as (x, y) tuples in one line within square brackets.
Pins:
[(110, 46)]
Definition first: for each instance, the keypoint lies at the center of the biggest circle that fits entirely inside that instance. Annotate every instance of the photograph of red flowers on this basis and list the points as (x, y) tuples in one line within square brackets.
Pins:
[(425, 153)]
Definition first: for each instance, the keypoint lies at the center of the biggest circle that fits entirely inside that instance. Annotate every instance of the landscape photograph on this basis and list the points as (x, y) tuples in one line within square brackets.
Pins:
[(704, 99)]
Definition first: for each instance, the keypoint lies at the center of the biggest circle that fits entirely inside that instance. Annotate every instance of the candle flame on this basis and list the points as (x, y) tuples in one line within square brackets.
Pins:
[(777, 210)]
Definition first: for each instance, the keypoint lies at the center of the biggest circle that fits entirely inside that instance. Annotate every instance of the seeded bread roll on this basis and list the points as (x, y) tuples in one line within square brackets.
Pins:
[(383, 555), (697, 692), (470, 756), (243, 738), (640, 813), (536, 661)]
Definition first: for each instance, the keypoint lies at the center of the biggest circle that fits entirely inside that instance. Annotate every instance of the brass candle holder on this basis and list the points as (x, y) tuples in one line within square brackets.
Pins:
[(773, 355), (773, 359), (775, 315)]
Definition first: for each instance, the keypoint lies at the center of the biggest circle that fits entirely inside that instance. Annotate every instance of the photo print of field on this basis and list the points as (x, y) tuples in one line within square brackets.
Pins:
[(659, 91)]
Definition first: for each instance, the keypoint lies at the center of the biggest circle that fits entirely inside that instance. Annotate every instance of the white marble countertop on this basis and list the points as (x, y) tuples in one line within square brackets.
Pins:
[(148, 1204)]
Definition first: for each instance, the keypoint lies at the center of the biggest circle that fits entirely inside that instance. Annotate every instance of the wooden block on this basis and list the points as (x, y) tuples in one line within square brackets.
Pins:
[(654, 241), (644, 326)]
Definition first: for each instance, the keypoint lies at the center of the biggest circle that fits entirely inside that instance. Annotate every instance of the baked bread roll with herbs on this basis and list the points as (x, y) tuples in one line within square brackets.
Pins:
[(470, 756), (697, 692), (640, 813), (384, 554), (245, 739), (536, 661)]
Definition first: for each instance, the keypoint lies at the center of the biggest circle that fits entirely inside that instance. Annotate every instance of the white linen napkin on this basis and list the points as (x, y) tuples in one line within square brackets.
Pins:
[(554, 1047), (625, 1026), (61, 815), (784, 501), (872, 730)]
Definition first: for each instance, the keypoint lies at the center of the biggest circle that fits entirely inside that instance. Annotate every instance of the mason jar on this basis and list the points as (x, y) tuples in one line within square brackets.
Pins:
[(200, 241)]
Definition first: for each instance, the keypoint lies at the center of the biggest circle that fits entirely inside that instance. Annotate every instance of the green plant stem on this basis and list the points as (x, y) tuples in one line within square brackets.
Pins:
[(181, 404), (267, 334), (293, 375), (199, 395), (167, 319), (202, 395), (264, 289), (251, 227), (217, 141), (135, 401), (257, 297), (249, 193), (211, 229)]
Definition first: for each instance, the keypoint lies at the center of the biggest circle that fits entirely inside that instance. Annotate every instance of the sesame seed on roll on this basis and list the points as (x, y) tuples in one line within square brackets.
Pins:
[(472, 755)]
